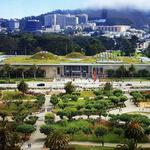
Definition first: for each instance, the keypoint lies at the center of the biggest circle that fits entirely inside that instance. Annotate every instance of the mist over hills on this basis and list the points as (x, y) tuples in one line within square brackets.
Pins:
[(125, 16), (133, 17)]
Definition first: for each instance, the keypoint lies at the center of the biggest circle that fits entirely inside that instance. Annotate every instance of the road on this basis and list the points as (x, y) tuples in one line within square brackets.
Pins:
[(81, 83)]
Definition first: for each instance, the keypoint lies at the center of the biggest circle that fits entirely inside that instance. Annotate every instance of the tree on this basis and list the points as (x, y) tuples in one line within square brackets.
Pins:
[(8, 139), (121, 72), (115, 99), (31, 120), (87, 130), (49, 118), (70, 112), (108, 87), (22, 87), (26, 129), (34, 69), (132, 70), (40, 100), (61, 114), (126, 46), (102, 112), (143, 73), (111, 73), (72, 130), (87, 112), (147, 131), (46, 129), (118, 92), (7, 69), (118, 131), (134, 132), (19, 117), (123, 99), (22, 70), (69, 88), (54, 100), (18, 104), (58, 140), (100, 132), (74, 98)]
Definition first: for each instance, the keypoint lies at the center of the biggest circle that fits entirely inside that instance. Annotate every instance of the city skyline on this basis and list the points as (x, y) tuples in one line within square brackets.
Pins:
[(23, 8)]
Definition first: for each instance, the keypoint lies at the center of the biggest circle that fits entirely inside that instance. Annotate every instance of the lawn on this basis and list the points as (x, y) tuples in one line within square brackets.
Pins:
[(11, 101), (78, 126), (109, 138), (91, 148), (16, 95), (141, 113), (13, 108)]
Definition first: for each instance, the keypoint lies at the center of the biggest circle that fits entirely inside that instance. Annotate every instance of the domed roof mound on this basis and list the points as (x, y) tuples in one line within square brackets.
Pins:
[(75, 55), (44, 55)]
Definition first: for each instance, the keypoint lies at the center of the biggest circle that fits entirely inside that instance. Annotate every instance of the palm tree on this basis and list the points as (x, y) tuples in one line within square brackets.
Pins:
[(58, 140), (134, 132), (3, 138), (9, 139)]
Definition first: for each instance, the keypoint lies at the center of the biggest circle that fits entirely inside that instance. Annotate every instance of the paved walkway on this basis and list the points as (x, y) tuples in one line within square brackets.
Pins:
[(130, 108), (147, 145), (37, 139)]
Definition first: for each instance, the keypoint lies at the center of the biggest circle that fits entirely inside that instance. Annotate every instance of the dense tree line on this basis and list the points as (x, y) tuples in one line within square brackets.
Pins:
[(123, 72), (21, 72), (27, 44)]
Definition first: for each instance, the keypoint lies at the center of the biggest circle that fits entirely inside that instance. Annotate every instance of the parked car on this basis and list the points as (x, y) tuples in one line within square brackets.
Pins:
[(128, 84), (41, 84)]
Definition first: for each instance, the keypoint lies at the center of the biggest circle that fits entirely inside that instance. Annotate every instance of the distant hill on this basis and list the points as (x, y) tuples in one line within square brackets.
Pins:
[(127, 16)]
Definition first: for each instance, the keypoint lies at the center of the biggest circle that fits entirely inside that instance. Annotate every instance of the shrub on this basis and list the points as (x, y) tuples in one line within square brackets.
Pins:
[(46, 129), (118, 131), (49, 118)]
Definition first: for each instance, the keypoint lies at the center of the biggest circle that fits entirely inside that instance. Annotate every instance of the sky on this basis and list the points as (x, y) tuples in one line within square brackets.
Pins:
[(21, 8)]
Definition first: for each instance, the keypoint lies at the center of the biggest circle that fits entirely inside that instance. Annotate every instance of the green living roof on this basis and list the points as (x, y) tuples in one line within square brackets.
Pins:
[(49, 58)]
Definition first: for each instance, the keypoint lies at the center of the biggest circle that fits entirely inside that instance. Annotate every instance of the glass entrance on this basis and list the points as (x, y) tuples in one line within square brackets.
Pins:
[(75, 71)]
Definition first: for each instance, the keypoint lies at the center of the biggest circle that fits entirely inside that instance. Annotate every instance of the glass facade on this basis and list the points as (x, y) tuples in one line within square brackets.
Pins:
[(76, 71)]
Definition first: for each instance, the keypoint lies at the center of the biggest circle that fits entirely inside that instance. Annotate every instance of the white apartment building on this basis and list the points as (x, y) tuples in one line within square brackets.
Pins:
[(62, 20), (71, 20), (13, 24), (115, 28), (82, 18), (50, 20)]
